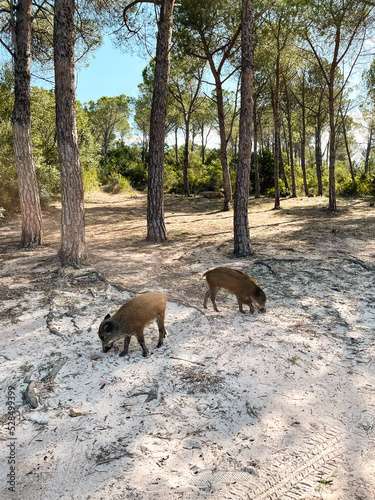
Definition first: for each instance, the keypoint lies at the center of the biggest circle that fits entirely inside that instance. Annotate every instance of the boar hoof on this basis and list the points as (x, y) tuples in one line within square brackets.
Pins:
[(159, 344), (123, 353)]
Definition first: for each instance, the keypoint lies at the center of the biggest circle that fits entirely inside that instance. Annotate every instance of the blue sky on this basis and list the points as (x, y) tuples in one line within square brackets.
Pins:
[(111, 72)]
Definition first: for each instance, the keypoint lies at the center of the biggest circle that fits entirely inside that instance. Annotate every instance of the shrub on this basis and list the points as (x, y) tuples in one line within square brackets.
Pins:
[(266, 171), (90, 179), (118, 184), (362, 185), (126, 161), (48, 178)]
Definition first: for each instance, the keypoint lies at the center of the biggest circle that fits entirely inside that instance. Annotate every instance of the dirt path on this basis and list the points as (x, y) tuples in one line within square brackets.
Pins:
[(273, 406)]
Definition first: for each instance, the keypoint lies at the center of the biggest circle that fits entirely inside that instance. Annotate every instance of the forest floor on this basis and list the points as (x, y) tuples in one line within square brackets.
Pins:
[(278, 405)]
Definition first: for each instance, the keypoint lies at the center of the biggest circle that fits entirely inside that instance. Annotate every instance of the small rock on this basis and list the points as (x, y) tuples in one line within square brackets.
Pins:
[(38, 418), (75, 412), (96, 357)]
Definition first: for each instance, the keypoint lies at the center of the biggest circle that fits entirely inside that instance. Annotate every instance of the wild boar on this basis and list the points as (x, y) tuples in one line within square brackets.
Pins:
[(239, 284), (131, 319)]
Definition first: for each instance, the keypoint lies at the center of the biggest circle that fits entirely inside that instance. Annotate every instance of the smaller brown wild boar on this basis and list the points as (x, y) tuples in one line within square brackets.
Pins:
[(131, 319), (239, 284)]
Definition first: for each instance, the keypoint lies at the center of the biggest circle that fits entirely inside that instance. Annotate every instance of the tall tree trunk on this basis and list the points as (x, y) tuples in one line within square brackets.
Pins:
[(368, 150), (186, 160), (276, 114), (291, 155), (144, 145), (227, 185), (332, 142), (31, 214), (176, 145), (235, 154), (286, 144), (203, 146), (242, 245), (72, 247), (282, 168), (261, 133), (347, 146), (303, 139), (318, 155), (156, 230), (255, 155)]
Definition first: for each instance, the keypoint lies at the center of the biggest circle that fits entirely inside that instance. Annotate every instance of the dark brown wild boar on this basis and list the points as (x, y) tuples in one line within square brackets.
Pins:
[(239, 283), (131, 319)]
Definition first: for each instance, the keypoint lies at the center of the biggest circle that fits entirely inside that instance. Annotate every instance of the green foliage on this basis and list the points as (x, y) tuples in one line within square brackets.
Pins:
[(118, 184), (43, 127), (8, 174), (363, 185), (48, 182), (126, 161), (202, 177), (266, 171), (108, 116), (90, 179)]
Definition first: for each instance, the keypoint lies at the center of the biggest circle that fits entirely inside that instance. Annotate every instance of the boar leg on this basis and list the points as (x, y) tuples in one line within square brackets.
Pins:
[(126, 346), (211, 293), (162, 330), (251, 308), (240, 307), (141, 341), (208, 294)]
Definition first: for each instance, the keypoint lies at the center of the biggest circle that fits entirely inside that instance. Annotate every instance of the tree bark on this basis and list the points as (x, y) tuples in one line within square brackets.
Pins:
[(203, 145), (72, 247), (186, 159), (368, 150), (31, 214), (256, 165), (156, 230), (318, 155), (227, 185), (303, 139), (281, 166), (242, 245), (276, 114), (176, 145), (332, 142), (347, 147), (290, 134)]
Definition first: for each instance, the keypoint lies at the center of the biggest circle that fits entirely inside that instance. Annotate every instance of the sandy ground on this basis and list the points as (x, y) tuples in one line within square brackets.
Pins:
[(278, 405)]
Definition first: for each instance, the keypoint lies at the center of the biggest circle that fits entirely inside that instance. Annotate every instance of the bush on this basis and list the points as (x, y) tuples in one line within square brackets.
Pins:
[(126, 161), (266, 171), (117, 184), (363, 185), (90, 179), (48, 178)]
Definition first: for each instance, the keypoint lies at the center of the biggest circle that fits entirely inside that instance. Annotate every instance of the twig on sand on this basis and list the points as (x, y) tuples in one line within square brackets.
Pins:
[(359, 263), (52, 374), (188, 361), (151, 394), (262, 263)]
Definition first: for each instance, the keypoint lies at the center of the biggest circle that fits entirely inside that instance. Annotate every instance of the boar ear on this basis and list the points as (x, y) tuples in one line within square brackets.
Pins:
[(108, 327), (107, 316), (258, 292)]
